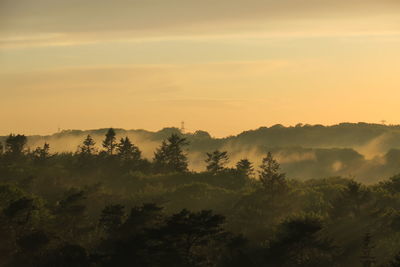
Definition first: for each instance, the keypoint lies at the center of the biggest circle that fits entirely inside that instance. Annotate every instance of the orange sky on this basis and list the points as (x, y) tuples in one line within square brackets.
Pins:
[(223, 67)]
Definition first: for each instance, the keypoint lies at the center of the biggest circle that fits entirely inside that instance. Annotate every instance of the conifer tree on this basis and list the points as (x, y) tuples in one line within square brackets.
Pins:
[(245, 167), (128, 151), (216, 161), (88, 147), (109, 143), (273, 181), (170, 157)]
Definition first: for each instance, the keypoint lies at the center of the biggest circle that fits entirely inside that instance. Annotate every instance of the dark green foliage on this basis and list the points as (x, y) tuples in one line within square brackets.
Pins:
[(109, 143), (33, 241), (89, 209), (20, 211), (351, 200), (216, 161), (245, 167), (367, 258), (128, 151), (151, 238), (42, 154), (273, 181), (15, 145), (170, 156), (111, 218), (87, 148), (298, 244), (66, 255), (395, 262)]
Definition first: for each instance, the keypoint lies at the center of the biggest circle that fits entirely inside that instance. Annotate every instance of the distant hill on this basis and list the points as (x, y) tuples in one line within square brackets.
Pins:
[(305, 151)]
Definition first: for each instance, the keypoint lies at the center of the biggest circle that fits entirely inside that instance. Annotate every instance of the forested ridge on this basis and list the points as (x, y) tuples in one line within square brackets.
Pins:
[(366, 152), (106, 204)]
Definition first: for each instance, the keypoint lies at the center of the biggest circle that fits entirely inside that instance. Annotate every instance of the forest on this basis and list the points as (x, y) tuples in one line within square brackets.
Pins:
[(108, 202), (366, 152)]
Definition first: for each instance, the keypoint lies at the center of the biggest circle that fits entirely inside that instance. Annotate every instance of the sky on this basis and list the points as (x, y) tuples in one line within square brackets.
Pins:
[(220, 66)]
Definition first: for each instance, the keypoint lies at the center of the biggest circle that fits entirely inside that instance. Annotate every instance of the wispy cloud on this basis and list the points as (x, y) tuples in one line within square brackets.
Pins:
[(62, 39), (41, 23)]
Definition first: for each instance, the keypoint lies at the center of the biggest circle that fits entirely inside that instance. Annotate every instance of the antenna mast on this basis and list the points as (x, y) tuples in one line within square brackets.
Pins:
[(182, 127)]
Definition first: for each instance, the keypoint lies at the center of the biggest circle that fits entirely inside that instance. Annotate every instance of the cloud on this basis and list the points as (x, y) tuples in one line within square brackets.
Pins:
[(140, 80), (94, 15), (27, 23)]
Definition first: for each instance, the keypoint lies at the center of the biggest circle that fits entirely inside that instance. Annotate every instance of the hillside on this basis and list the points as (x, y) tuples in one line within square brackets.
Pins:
[(360, 150)]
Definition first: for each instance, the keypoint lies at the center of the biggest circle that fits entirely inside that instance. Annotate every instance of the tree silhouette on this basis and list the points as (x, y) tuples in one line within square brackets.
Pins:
[(169, 157), (71, 213), (19, 214), (87, 148), (351, 200), (298, 244), (189, 234), (111, 218), (128, 151), (272, 180), (15, 144), (245, 167), (216, 161), (42, 153), (109, 143)]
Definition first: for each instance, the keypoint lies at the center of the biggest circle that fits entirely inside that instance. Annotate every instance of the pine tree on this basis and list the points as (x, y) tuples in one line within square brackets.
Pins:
[(87, 148), (169, 157), (216, 161), (109, 143), (128, 151), (245, 167), (272, 180)]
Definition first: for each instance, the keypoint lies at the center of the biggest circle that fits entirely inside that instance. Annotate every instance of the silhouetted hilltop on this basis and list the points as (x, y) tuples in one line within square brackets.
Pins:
[(305, 151), (343, 135)]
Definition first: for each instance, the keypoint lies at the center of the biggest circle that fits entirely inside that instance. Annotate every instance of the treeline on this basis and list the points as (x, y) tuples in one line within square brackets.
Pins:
[(112, 207), (168, 158), (367, 152)]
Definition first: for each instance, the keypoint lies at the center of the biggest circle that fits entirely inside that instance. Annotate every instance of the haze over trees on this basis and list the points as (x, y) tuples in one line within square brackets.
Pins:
[(108, 205), (216, 161), (367, 152), (170, 157)]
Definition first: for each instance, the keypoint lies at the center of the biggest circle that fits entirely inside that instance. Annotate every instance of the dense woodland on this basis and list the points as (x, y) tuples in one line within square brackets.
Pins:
[(105, 204), (366, 152)]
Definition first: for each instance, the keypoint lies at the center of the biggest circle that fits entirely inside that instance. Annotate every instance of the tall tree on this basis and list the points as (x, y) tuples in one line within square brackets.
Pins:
[(87, 148), (109, 143), (128, 151), (42, 153), (298, 243), (272, 179), (216, 161), (245, 167), (15, 144), (170, 157)]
